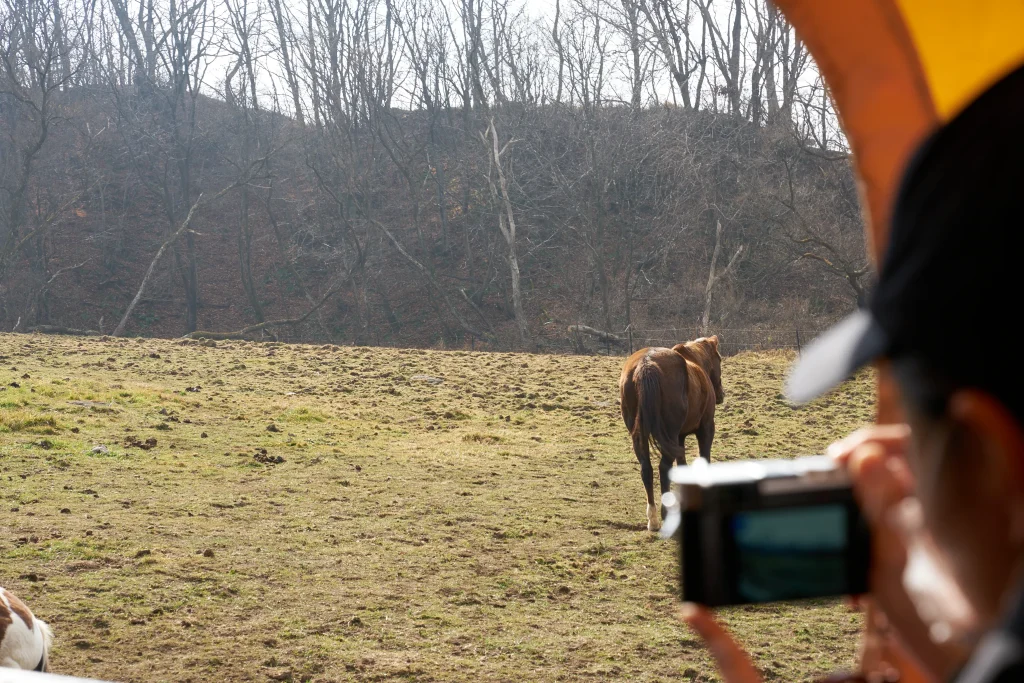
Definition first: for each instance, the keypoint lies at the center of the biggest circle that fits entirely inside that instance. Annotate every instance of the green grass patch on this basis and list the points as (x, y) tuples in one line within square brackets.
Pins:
[(304, 415), (13, 421)]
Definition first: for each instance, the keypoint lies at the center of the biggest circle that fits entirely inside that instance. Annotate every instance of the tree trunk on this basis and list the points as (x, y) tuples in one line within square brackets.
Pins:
[(606, 337), (714, 278), (286, 62), (430, 279), (192, 284), (119, 330), (245, 256), (734, 59), (561, 51), (507, 225)]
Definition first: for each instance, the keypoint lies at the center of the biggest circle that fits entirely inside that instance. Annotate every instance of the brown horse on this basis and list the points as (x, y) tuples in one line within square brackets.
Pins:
[(667, 394)]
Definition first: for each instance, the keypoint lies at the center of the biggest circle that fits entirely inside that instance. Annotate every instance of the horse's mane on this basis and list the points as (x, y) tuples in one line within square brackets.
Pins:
[(698, 351)]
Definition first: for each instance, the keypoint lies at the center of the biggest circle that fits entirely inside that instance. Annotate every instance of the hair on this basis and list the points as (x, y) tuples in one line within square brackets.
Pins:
[(927, 389), (924, 388)]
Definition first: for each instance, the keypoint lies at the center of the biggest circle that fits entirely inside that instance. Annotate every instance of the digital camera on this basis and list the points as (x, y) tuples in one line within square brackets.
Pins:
[(765, 530)]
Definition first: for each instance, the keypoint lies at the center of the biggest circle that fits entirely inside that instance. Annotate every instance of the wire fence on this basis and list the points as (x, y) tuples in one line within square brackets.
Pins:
[(731, 340)]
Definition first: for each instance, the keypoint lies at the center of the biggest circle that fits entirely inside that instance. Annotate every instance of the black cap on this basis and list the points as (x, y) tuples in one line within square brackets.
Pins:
[(951, 276)]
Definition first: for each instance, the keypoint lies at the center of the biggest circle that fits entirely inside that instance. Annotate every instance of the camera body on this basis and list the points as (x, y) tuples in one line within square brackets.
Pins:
[(765, 530)]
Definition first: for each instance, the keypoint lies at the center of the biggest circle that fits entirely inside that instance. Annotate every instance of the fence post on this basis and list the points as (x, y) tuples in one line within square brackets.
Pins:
[(629, 329), (799, 350)]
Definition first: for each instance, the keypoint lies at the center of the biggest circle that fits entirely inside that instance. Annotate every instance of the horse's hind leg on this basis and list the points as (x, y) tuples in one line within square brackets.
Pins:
[(705, 435), (643, 455), (664, 466), (681, 453)]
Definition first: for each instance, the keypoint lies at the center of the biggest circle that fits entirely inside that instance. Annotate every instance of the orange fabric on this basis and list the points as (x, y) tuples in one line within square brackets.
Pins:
[(897, 69), (964, 47), (866, 56), (868, 60)]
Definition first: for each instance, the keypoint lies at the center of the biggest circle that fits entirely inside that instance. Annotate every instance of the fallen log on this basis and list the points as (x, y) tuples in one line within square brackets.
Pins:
[(57, 329), (242, 333), (606, 337)]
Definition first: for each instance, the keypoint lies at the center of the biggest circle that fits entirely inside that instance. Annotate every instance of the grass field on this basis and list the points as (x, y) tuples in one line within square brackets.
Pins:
[(487, 527)]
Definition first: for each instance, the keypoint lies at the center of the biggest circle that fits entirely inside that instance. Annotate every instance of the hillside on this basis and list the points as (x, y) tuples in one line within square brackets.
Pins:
[(410, 514), (400, 237)]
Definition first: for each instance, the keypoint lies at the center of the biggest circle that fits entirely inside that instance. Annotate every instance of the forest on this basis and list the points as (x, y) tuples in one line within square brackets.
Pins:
[(575, 176)]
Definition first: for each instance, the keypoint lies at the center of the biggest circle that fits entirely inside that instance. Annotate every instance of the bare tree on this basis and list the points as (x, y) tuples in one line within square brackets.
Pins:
[(35, 63), (245, 104), (726, 50), (506, 222), (671, 32), (158, 116), (715, 276), (285, 43)]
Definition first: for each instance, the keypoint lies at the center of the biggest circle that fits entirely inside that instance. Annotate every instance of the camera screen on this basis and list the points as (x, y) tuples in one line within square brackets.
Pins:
[(790, 553)]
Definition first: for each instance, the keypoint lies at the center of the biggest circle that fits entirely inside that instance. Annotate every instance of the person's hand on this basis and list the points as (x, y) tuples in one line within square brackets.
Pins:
[(732, 661), (881, 481), (882, 655), (888, 662)]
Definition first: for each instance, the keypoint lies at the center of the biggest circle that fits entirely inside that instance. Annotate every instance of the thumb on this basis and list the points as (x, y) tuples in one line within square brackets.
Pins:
[(732, 661)]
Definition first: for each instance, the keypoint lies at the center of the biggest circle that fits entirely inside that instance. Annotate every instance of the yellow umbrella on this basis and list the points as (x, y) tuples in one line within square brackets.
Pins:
[(897, 69)]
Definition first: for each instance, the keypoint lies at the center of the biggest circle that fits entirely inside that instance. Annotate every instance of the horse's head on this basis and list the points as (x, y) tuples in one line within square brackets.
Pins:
[(712, 364)]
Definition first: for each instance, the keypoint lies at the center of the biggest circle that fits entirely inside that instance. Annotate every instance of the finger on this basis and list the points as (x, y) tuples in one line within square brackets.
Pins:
[(870, 480), (878, 483), (901, 473), (879, 490), (732, 661), (893, 437)]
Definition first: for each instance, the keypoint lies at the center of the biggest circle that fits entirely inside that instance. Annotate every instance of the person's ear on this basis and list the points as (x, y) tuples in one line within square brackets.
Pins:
[(993, 445)]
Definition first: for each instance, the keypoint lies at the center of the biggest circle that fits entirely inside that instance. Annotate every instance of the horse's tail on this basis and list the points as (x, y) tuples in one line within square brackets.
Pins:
[(649, 426), (47, 636)]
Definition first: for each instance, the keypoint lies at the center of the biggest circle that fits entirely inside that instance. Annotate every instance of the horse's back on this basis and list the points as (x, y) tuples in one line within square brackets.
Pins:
[(699, 389), (667, 361), (672, 380)]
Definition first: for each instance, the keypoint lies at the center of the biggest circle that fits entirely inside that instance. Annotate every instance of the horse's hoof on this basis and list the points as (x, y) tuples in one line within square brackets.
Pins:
[(653, 520)]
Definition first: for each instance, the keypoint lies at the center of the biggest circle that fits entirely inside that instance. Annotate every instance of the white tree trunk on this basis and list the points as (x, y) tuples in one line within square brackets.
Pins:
[(507, 225), (714, 278)]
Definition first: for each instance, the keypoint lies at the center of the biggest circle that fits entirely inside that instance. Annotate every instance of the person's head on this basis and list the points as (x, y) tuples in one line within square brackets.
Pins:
[(967, 455), (948, 294)]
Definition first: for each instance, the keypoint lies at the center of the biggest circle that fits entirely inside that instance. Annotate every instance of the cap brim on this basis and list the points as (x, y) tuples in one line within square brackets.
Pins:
[(834, 356)]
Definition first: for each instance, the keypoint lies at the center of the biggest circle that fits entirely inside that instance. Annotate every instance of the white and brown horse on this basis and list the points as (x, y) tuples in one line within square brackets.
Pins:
[(24, 639), (667, 394)]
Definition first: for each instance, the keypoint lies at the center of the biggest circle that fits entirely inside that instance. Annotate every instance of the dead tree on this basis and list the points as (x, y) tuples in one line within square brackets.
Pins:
[(715, 277), (671, 33), (244, 102), (506, 222), (285, 37), (184, 228)]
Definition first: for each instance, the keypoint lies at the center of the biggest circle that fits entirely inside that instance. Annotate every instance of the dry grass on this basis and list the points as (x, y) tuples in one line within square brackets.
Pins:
[(487, 527)]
